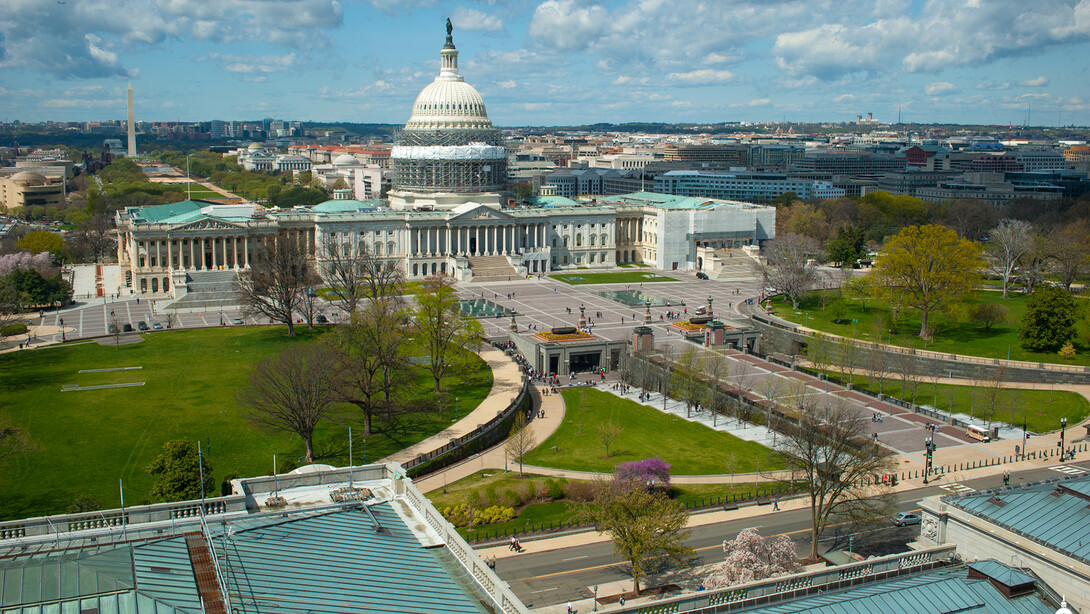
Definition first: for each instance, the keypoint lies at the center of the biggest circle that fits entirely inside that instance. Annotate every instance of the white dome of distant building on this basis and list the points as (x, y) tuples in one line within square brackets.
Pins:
[(27, 176), (346, 160), (255, 146)]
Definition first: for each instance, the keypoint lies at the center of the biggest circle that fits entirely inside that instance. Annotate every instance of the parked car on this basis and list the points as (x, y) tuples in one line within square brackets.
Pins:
[(157, 326), (126, 327), (142, 325), (903, 519), (701, 275), (322, 319), (112, 328), (237, 322)]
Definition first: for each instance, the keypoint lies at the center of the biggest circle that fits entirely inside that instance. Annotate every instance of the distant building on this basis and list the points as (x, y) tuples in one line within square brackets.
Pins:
[(906, 183), (28, 189), (993, 188), (725, 155), (747, 187), (824, 165), (1047, 160), (917, 155)]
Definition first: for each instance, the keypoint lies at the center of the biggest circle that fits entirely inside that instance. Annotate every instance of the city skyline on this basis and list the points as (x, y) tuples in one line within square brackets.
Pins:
[(552, 62)]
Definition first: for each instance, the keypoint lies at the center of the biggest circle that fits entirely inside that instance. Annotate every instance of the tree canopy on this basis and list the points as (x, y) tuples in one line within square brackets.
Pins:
[(177, 473), (928, 268), (1049, 320)]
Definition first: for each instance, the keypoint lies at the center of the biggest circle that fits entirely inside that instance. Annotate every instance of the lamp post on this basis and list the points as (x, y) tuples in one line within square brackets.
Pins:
[(1063, 430), (455, 409), (188, 184), (929, 448)]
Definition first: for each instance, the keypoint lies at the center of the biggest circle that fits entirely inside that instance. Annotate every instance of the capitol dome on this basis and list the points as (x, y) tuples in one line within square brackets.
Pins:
[(448, 147)]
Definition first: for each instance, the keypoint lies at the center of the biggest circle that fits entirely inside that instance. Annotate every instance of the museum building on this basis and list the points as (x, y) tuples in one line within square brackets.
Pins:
[(446, 213)]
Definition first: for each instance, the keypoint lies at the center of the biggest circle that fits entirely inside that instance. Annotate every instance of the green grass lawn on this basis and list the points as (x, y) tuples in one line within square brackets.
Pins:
[(690, 448), (90, 439), (954, 332), (617, 277), (1041, 409), (411, 288), (489, 488)]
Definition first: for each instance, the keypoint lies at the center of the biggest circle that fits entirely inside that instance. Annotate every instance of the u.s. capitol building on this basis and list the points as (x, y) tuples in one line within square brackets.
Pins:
[(445, 214)]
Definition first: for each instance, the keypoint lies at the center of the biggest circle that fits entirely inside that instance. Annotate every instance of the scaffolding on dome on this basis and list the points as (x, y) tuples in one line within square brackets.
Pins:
[(471, 161)]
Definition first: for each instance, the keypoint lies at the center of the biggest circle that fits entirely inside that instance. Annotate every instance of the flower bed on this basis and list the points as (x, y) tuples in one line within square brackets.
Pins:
[(688, 326), (553, 337)]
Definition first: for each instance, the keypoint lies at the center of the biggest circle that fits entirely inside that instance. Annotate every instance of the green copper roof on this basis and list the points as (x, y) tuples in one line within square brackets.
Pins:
[(664, 201), (345, 206), (155, 215), (553, 201)]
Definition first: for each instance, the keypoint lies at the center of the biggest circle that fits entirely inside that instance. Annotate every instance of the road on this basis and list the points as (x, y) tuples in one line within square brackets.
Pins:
[(555, 576)]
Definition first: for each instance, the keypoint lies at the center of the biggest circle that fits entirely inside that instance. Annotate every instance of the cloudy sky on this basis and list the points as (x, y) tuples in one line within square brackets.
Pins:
[(549, 62)]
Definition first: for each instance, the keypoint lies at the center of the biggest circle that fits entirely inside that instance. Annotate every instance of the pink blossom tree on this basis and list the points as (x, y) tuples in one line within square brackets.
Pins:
[(654, 472), (22, 261), (751, 557)]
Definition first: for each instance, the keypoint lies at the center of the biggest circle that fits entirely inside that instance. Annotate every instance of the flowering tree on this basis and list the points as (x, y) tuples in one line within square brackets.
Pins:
[(654, 472), (751, 557), (22, 261)]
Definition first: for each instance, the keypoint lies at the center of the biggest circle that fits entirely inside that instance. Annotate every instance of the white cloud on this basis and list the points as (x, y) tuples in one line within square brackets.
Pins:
[(1035, 82), (844, 98), (90, 38), (629, 80), (564, 26), (993, 85), (471, 19), (702, 76), (759, 102), (250, 64), (506, 85), (939, 88)]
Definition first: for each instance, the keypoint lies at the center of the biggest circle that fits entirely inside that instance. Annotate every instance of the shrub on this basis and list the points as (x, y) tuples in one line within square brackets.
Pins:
[(1067, 352), (988, 315), (83, 503), (555, 489), (491, 496), (493, 514), (580, 491), (512, 497), (460, 515), (10, 330), (225, 486), (287, 466)]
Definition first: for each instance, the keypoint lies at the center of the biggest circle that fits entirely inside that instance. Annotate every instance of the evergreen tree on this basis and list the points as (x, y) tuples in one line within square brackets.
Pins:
[(1049, 321)]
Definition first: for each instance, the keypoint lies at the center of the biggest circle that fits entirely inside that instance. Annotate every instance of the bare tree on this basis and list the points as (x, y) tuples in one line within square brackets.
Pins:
[(717, 368), (1033, 262), (1007, 245), (521, 440), (876, 364), (790, 265), (827, 450), (292, 392), (273, 285), (370, 355), (848, 357), (608, 432), (992, 391), (355, 272), (309, 305), (442, 325), (96, 236), (1071, 250), (687, 382)]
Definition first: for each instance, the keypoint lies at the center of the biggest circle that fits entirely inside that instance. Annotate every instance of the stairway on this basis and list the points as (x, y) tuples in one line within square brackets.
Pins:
[(204, 572), (209, 290), (735, 265), (491, 268)]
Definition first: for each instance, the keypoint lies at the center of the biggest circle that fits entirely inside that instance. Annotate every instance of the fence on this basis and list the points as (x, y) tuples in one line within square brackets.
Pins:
[(958, 365), (745, 596)]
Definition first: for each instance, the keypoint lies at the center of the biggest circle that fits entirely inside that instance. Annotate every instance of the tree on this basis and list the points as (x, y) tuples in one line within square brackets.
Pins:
[(177, 473), (608, 432), (970, 217), (1007, 245), (849, 246), (848, 356), (988, 315), (992, 391), (357, 273), (1067, 352), (1049, 321), (826, 450), (292, 392), (369, 354), (442, 325), (521, 440), (791, 264), (95, 237), (273, 285), (38, 241), (750, 557), (641, 523), (651, 473), (1034, 261), (1071, 250), (930, 266), (687, 383)]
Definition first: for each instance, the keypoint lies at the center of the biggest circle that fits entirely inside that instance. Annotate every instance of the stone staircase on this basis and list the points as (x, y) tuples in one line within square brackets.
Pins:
[(491, 268), (735, 266), (209, 290)]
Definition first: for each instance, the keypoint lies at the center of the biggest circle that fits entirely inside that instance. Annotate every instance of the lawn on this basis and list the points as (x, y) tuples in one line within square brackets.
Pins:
[(494, 487), (617, 277), (89, 439), (954, 332), (690, 448), (1041, 409)]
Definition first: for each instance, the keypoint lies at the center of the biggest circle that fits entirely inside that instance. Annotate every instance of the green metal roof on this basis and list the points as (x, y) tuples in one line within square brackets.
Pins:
[(1055, 514), (345, 206), (664, 201), (336, 562), (157, 214), (553, 201), (943, 591)]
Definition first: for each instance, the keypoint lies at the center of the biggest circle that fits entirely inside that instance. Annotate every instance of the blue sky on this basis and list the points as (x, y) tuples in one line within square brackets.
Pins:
[(550, 62)]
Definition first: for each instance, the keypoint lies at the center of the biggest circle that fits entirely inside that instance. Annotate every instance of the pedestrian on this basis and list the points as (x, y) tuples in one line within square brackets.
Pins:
[(570, 610), (775, 505)]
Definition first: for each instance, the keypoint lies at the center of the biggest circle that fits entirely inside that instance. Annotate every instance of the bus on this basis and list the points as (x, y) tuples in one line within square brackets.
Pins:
[(978, 433)]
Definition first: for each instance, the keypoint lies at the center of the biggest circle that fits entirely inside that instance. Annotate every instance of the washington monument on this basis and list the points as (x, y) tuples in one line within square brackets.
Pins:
[(132, 128)]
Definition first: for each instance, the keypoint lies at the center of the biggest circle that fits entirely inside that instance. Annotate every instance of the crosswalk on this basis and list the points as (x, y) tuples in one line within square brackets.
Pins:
[(1068, 469), (957, 488)]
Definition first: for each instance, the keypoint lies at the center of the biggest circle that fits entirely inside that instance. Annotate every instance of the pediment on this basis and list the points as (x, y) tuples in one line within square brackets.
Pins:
[(206, 224), (478, 212)]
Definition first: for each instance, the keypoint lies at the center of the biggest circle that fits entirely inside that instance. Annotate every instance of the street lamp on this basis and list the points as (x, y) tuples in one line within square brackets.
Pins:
[(929, 448), (1063, 429), (188, 184), (455, 409)]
